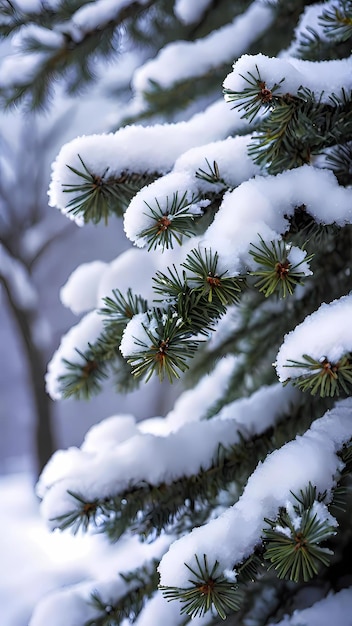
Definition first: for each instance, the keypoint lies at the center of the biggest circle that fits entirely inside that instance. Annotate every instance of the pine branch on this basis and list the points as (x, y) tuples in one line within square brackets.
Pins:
[(74, 60), (120, 309), (172, 222), (98, 197), (203, 276), (212, 175), (148, 510), (293, 546), (255, 98), (170, 346), (299, 127), (277, 274), (339, 158), (143, 583), (337, 21), (323, 376), (83, 380), (207, 590)]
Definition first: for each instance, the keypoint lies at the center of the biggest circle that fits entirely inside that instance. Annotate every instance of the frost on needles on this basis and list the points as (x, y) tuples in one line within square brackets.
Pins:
[(236, 505)]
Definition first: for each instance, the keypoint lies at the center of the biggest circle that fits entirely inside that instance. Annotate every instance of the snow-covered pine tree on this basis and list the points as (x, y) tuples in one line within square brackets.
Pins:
[(239, 280)]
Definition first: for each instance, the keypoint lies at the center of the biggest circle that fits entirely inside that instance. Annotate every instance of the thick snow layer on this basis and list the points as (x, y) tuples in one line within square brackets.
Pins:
[(22, 67), (261, 207), (235, 166), (45, 37), (183, 60), (110, 432), (35, 562), (138, 149), (231, 157), (73, 605), (159, 196), (234, 534), (334, 609), (132, 269), (95, 15), (326, 333), (309, 20), (323, 79), (109, 471), (80, 291), (190, 12), (192, 405), (77, 338), (159, 611), (135, 333)]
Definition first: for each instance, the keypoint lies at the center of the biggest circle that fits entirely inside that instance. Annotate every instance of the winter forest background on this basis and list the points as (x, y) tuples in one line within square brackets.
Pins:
[(38, 137), (212, 236)]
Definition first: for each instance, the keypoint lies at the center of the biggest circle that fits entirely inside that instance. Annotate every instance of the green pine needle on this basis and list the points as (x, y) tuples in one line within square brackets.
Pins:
[(207, 591), (99, 196), (293, 547), (337, 21), (298, 556), (277, 274), (212, 175), (120, 309), (258, 97), (83, 515), (169, 349), (172, 221), (327, 378), (142, 584), (203, 276), (83, 380)]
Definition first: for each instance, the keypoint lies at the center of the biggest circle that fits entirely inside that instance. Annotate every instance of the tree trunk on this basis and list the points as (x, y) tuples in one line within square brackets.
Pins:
[(43, 436)]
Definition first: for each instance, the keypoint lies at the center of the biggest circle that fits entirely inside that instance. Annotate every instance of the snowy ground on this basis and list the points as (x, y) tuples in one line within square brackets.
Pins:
[(33, 561)]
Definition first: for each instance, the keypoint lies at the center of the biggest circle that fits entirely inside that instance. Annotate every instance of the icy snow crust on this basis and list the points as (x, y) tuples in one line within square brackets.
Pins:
[(231, 537)]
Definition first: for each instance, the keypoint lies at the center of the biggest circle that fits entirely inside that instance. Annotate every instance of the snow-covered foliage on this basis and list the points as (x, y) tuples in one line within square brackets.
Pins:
[(239, 211)]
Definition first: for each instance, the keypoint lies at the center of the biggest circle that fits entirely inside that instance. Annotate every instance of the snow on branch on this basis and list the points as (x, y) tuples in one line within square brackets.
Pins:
[(108, 470), (95, 16), (190, 12), (164, 211), (309, 27), (262, 207), (317, 353), (191, 178), (233, 536), (134, 150), (330, 610), (288, 75), (79, 293), (108, 596), (160, 611), (195, 58), (72, 349), (90, 283)]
